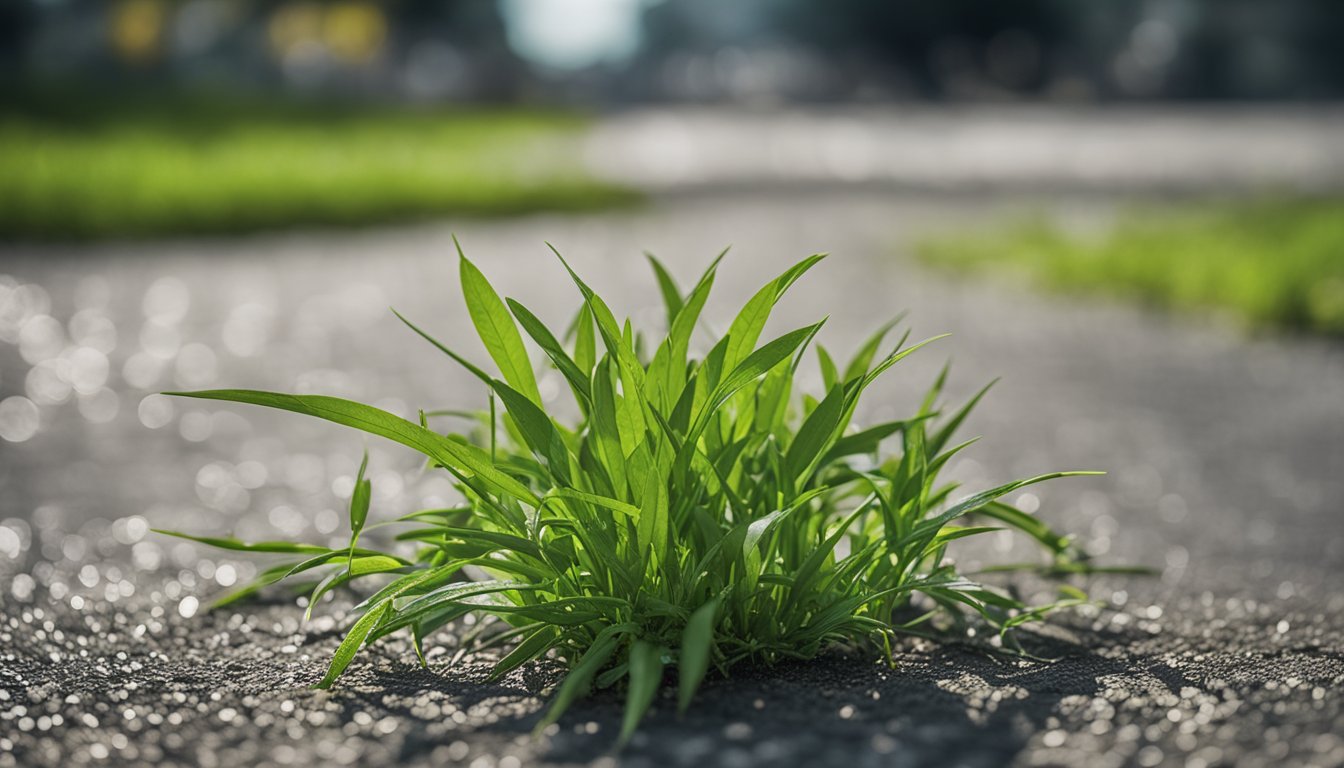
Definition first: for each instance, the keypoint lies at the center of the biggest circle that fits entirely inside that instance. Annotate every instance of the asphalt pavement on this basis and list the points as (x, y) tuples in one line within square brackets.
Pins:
[(1225, 454)]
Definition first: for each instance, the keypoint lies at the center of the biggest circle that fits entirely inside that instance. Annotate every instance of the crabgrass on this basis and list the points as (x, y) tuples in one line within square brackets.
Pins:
[(153, 168), (698, 513), (1276, 264)]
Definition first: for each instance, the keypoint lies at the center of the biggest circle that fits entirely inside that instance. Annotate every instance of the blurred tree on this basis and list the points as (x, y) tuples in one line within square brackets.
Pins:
[(1037, 48), (429, 50), (942, 44), (18, 21)]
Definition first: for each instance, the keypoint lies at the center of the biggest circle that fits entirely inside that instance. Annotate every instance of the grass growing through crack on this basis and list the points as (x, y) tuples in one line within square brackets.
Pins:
[(700, 513)]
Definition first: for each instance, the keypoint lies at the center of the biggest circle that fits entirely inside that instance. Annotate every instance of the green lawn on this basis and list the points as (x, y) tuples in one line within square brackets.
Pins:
[(1269, 263), (99, 169)]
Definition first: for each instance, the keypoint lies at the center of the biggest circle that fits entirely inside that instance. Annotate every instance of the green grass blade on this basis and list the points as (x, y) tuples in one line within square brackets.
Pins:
[(530, 648), (577, 379), (762, 526), (585, 343), (858, 366), (815, 435), (285, 547), (359, 505), (646, 677), (581, 676), (767, 357), (354, 640), (379, 422), (944, 434), (606, 427), (453, 594), (867, 440), (629, 510), (826, 364), (697, 645), (1032, 526), (667, 287), (360, 566), (927, 528), (747, 326), (263, 580), (652, 523), (460, 360), (495, 326), (359, 499), (537, 429)]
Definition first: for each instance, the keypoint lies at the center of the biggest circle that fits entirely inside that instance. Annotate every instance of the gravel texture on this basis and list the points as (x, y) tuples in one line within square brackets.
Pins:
[(1225, 456)]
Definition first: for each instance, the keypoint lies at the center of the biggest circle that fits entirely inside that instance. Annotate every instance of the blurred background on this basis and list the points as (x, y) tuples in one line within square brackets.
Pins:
[(143, 118), (1130, 210), (643, 51)]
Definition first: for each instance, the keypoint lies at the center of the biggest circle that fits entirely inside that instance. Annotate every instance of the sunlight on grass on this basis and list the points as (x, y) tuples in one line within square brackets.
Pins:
[(1272, 264), (700, 512), (144, 172)]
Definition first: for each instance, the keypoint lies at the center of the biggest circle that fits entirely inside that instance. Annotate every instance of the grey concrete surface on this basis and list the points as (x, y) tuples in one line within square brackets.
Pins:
[(1224, 451), (1215, 149)]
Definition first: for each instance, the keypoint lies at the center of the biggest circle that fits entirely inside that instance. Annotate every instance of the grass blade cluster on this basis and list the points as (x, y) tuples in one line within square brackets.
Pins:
[(698, 513)]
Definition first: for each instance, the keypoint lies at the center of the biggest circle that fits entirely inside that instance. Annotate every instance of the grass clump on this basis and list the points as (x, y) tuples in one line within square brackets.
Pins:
[(698, 513), (147, 169), (1269, 263)]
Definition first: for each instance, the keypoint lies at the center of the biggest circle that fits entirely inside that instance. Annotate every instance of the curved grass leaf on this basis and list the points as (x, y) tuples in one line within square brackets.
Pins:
[(462, 361), (747, 326), (241, 546), (354, 639), (536, 644), (379, 422), (667, 287), (580, 677), (646, 677), (697, 643), (629, 510), (495, 326), (551, 346)]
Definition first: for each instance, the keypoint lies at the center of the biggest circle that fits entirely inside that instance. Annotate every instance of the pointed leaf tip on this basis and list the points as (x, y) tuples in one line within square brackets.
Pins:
[(697, 644), (646, 677)]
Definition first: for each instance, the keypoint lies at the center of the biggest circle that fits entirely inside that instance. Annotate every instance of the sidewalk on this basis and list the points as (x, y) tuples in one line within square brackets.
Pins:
[(1215, 149)]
